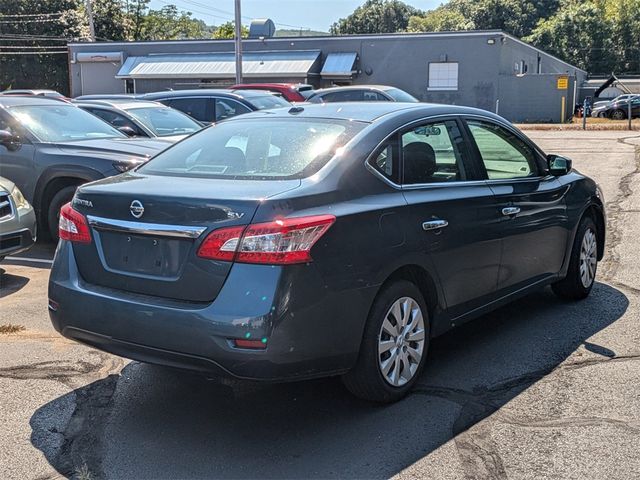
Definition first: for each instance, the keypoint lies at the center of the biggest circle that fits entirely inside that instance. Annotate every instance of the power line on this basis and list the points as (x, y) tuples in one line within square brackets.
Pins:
[(21, 15), (41, 20), (35, 47), (24, 36), (44, 52)]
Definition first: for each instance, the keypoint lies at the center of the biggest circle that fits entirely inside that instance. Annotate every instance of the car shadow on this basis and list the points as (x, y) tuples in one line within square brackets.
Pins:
[(153, 422), (10, 284)]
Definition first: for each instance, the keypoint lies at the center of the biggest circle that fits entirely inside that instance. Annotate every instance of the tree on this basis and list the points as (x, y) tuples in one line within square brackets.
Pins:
[(110, 20), (376, 16), (228, 30), (442, 19), (136, 11), (580, 34), (170, 24)]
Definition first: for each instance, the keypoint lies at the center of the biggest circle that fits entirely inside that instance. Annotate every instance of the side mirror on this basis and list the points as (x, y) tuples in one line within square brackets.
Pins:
[(558, 165), (9, 140), (128, 131)]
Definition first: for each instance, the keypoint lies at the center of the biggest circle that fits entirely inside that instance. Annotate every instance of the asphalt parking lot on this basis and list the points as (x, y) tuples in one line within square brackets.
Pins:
[(539, 389)]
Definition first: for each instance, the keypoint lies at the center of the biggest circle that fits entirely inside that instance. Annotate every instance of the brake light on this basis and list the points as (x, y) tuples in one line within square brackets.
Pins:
[(73, 225), (281, 242)]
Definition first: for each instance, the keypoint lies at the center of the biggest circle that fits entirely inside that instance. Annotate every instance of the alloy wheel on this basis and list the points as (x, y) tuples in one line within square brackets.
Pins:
[(401, 342), (588, 258)]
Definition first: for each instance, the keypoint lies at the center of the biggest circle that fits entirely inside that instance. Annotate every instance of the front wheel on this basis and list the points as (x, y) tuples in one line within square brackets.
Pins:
[(618, 115), (394, 346), (61, 198), (583, 264)]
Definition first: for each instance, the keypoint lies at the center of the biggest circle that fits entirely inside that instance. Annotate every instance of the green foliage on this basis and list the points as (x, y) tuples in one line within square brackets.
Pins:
[(170, 24), (376, 16), (228, 30), (110, 20)]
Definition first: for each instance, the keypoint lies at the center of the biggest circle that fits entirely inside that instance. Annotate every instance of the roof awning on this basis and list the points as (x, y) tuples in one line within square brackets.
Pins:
[(339, 65), (293, 64)]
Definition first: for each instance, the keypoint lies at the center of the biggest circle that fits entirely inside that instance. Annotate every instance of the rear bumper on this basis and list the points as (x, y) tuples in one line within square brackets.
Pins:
[(310, 330)]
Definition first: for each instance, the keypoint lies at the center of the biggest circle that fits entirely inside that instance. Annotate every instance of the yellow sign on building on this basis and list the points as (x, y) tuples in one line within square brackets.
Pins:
[(563, 83)]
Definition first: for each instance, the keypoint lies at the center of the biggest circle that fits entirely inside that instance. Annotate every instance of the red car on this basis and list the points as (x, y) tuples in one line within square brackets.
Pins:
[(289, 91)]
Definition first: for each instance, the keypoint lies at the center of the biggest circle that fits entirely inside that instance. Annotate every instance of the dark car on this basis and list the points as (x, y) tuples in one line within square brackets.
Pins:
[(619, 109), (361, 93), (211, 105), (322, 240), (140, 118), (290, 91), (48, 148)]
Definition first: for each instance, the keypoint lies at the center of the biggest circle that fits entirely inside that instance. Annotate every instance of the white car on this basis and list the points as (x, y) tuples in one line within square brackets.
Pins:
[(17, 220)]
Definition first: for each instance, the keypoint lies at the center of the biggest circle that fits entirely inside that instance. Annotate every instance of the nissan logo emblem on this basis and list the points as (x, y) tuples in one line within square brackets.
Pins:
[(136, 208)]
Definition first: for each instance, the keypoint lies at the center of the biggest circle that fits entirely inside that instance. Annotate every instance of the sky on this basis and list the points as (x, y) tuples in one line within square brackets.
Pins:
[(308, 14)]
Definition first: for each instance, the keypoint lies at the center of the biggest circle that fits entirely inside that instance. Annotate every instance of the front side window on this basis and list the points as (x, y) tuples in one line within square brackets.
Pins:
[(60, 123), (256, 149), (503, 153), (226, 108), (165, 122), (443, 76), (432, 153), (115, 119), (265, 102)]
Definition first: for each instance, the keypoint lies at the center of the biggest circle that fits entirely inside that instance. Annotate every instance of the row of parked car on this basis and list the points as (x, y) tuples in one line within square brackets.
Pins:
[(618, 108), (51, 144)]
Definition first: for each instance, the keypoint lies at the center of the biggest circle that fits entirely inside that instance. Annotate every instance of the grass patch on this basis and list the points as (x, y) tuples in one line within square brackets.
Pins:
[(10, 328), (83, 473)]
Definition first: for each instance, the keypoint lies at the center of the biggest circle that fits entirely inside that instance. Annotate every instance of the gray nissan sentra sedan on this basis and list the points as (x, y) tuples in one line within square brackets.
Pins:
[(322, 240)]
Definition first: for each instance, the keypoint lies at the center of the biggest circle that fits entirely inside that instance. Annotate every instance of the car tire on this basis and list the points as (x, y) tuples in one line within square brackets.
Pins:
[(583, 263), (368, 380), (63, 196), (618, 115)]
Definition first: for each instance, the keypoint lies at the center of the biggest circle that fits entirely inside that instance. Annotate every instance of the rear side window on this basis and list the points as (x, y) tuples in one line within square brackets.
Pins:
[(256, 149), (504, 154), (432, 153), (195, 107)]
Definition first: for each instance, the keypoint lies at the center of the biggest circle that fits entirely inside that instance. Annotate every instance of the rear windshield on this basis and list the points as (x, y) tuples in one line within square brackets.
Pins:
[(274, 148), (264, 102), (400, 95)]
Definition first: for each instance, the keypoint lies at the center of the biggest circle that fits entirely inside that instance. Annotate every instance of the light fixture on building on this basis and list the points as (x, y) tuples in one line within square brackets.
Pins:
[(491, 41)]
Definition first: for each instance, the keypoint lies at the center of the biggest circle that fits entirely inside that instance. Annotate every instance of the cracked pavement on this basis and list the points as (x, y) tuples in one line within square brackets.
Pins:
[(538, 389)]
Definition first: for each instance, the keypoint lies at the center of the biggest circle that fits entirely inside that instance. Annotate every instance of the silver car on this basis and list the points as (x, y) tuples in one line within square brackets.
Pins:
[(17, 220)]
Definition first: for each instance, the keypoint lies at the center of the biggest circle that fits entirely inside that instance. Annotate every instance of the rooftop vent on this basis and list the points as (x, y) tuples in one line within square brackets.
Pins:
[(262, 27)]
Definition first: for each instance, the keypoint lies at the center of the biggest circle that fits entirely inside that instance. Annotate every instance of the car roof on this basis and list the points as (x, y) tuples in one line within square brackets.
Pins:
[(120, 103), (363, 111), (18, 100), (205, 92), (353, 87), (30, 91)]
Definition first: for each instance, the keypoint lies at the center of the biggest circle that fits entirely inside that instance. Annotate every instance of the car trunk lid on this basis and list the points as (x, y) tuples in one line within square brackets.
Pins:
[(146, 231)]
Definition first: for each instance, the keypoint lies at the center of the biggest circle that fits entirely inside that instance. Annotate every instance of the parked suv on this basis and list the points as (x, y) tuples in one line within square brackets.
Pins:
[(48, 148), (210, 105)]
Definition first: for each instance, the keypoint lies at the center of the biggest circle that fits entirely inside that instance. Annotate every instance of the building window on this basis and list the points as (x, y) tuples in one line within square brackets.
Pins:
[(443, 76), (129, 86)]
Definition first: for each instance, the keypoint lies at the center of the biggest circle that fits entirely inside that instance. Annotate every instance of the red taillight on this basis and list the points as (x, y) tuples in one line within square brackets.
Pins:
[(73, 225), (281, 242), (250, 344)]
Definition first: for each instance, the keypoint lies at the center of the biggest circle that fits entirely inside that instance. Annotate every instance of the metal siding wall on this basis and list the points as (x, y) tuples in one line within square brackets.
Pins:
[(534, 98)]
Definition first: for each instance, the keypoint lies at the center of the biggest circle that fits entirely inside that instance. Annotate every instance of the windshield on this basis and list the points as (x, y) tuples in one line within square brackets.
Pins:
[(60, 123), (273, 148), (164, 122), (400, 95), (268, 101)]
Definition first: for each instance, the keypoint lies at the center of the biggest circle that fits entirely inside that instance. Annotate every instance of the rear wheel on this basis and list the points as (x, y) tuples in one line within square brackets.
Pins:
[(618, 115), (582, 264), (394, 346), (53, 215)]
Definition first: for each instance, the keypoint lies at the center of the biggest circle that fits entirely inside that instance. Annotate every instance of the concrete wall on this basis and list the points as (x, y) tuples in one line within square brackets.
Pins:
[(485, 61)]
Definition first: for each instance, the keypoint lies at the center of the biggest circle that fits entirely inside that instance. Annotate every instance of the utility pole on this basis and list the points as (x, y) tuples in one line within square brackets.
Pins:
[(238, 42), (92, 30)]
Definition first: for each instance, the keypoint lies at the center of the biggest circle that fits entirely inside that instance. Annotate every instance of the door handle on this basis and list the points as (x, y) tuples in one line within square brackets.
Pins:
[(510, 211), (434, 225)]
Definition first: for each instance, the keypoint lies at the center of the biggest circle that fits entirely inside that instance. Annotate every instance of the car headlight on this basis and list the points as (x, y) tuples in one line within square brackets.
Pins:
[(18, 198)]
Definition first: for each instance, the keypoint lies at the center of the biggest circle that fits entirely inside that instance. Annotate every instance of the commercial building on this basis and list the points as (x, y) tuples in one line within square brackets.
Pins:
[(486, 69)]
